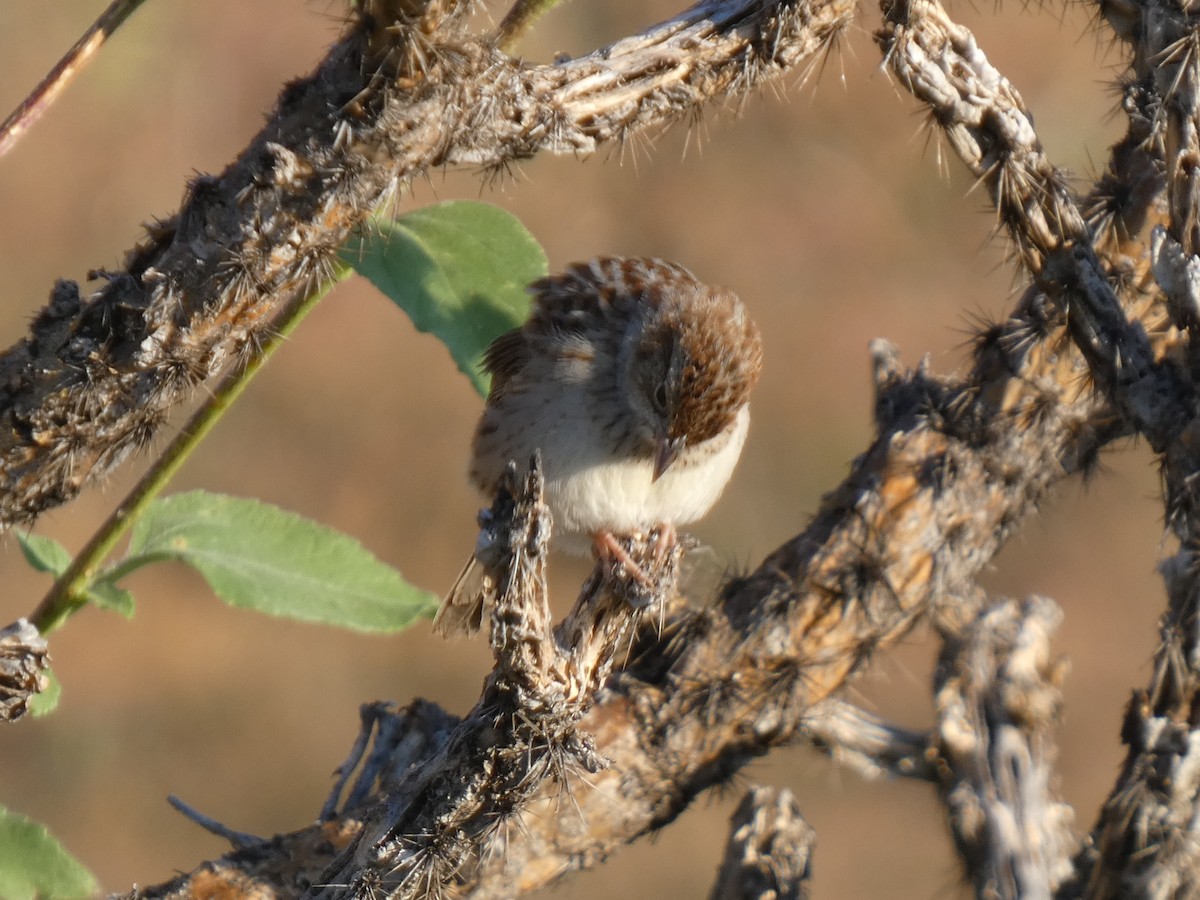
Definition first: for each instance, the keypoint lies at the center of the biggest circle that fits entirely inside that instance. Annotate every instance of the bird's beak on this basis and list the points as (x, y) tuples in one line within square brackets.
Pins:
[(666, 453)]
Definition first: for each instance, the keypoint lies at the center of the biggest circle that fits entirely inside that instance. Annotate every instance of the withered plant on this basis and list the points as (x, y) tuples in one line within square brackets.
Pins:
[(602, 729)]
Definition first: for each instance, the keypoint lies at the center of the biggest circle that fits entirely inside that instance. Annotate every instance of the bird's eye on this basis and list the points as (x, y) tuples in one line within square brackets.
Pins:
[(660, 397)]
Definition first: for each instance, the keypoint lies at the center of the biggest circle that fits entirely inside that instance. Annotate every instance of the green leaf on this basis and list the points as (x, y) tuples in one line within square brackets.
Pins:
[(107, 595), (459, 270), (45, 702), (44, 554), (258, 556), (33, 864), (48, 555)]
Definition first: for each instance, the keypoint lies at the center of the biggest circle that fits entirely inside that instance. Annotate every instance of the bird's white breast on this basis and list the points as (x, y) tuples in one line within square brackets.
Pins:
[(588, 491)]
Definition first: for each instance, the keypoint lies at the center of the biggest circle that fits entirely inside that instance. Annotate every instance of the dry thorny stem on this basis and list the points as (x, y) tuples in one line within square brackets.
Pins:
[(1144, 843), (523, 733), (769, 852), (1098, 347), (997, 694)]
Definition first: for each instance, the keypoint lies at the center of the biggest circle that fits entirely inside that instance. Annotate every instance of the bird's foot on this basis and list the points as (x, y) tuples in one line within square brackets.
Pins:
[(643, 567), (609, 551), (665, 539)]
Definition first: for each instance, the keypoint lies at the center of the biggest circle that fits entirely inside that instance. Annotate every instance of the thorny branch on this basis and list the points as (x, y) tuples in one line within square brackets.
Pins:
[(522, 734), (988, 126), (997, 694), (1145, 843), (401, 93), (956, 465), (769, 852)]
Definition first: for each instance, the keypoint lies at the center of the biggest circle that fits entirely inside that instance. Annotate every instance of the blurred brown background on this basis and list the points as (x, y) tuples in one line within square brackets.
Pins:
[(826, 205)]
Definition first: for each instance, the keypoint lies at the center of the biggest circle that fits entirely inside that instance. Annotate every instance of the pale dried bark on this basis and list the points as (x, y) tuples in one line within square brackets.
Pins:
[(957, 463), (769, 853), (1147, 842), (997, 694)]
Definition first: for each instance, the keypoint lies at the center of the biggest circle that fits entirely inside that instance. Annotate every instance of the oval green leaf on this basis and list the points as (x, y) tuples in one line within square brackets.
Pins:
[(458, 269), (34, 864), (257, 556), (44, 554)]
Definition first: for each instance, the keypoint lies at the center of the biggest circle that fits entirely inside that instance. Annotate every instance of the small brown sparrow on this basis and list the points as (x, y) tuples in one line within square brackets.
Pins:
[(633, 379)]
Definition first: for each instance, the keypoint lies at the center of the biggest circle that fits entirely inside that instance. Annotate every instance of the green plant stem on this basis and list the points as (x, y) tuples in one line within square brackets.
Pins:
[(520, 19), (69, 592)]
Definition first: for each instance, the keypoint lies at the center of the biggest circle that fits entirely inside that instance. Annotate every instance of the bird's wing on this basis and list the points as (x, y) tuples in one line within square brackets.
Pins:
[(461, 612), (505, 357), (565, 307)]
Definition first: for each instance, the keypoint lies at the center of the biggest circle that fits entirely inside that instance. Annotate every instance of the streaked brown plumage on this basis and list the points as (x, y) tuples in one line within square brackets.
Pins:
[(633, 379)]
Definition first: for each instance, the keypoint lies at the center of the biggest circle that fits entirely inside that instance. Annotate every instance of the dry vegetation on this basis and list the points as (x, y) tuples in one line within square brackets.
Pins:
[(523, 790)]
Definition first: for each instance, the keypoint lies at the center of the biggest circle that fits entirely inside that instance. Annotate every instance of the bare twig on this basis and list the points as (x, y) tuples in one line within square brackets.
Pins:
[(241, 840), (403, 738), (84, 51), (867, 744)]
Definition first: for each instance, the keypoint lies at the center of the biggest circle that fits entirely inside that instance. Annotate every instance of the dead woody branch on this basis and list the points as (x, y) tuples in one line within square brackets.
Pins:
[(1093, 351), (769, 852), (1145, 843), (956, 466), (523, 733), (400, 94), (998, 697)]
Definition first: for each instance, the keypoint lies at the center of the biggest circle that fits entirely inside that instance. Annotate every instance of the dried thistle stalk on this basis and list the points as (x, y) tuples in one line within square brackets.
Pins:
[(452, 811), (394, 98), (956, 465), (998, 696)]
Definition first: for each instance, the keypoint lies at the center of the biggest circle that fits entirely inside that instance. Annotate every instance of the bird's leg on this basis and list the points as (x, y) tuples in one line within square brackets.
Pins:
[(664, 543), (609, 550)]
